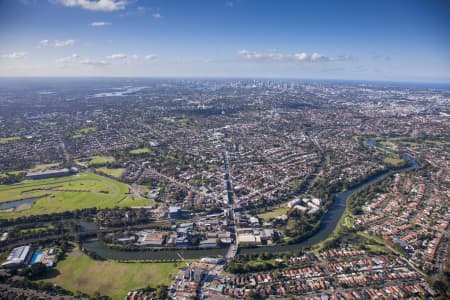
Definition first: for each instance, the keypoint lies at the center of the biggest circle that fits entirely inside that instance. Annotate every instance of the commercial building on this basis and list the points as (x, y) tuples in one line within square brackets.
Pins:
[(19, 256), (174, 212), (151, 238)]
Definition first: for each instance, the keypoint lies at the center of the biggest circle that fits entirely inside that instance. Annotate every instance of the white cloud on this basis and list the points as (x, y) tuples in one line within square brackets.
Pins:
[(113, 59), (150, 57), (44, 43), (100, 24), (66, 43), (117, 56), (100, 5), (68, 59), (76, 59), (59, 44), (153, 12), (14, 55), (143, 8), (122, 57), (94, 63), (277, 56)]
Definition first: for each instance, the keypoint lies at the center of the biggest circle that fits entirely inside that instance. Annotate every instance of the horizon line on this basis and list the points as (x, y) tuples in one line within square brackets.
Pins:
[(228, 78)]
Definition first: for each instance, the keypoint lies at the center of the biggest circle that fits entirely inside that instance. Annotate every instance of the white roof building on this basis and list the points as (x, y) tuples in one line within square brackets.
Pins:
[(317, 201), (17, 256)]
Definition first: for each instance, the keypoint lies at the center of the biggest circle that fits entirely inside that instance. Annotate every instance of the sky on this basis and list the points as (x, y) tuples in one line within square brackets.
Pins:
[(388, 40)]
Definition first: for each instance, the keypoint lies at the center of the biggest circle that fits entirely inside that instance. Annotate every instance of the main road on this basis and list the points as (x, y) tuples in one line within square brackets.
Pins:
[(232, 250), (231, 206)]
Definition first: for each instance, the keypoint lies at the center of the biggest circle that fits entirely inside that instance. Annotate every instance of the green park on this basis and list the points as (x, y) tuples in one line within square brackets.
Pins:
[(54, 195)]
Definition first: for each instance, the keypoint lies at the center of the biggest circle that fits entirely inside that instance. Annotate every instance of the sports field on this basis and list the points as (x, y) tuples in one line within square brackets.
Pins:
[(83, 190), (11, 139), (79, 272)]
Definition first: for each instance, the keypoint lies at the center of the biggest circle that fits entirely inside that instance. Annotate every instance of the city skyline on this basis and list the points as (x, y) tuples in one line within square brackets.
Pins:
[(401, 41)]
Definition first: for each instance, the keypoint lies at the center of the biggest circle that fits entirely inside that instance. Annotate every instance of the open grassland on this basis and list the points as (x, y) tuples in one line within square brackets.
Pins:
[(79, 272), (140, 151), (394, 161), (83, 131), (37, 229), (374, 238), (111, 172), (69, 193), (392, 142), (409, 144), (377, 248), (10, 139), (43, 167), (438, 142), (387, 144), (100, 160), (11, 173), (276, 212)]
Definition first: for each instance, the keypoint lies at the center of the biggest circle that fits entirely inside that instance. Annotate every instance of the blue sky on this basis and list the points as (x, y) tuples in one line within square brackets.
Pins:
[(370, 40)]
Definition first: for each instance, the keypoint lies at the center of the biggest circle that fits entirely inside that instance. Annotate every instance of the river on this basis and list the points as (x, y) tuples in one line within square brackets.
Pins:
[(328, 223)]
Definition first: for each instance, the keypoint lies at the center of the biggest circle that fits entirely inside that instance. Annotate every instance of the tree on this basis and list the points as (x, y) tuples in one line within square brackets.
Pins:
[(36, 270)]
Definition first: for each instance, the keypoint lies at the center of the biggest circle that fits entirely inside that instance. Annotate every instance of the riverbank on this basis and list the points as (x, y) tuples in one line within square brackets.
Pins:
[(329, 224)]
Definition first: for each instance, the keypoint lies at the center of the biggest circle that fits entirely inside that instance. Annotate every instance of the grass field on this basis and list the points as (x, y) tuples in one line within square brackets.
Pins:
[(274, 213), (376, 239), (100, 160), (377, 248), (11, 172), (79, 272), (37, 229), (393, 161), (356, 138), (43, 167), (411, 144), (437, 142), (111, 172), (140, 151), (387, 144), (348, 222), (83, 131), (10, 139), (69, 193)]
